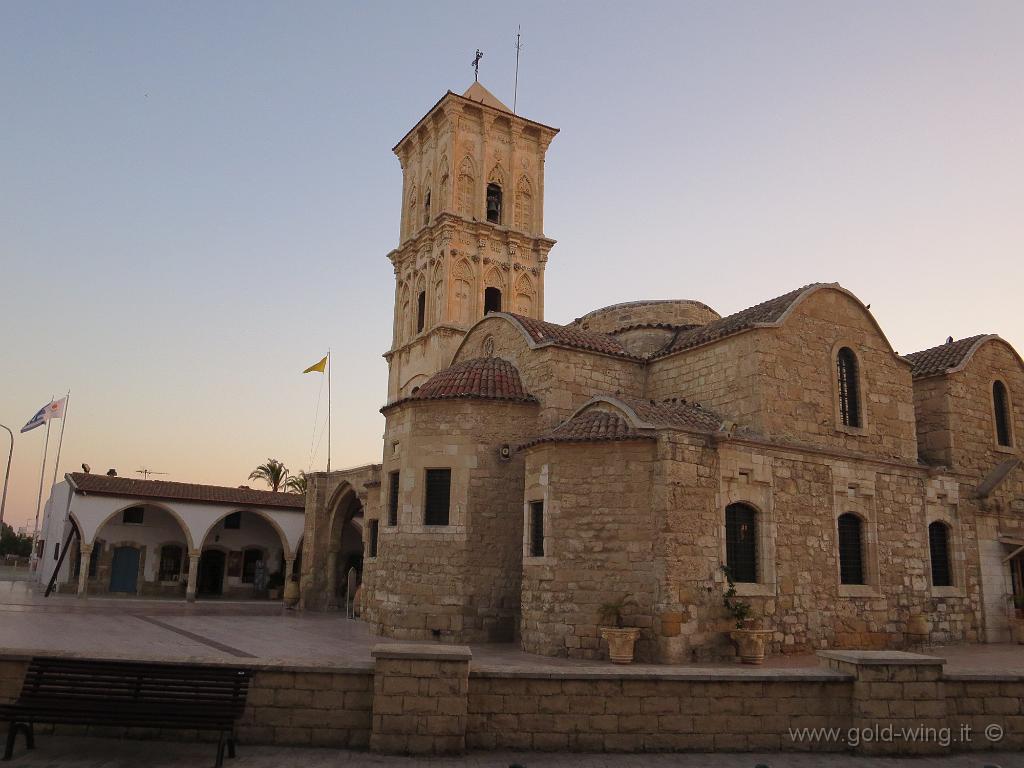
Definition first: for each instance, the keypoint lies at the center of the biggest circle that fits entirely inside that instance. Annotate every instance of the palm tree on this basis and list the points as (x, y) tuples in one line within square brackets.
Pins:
[(273, 473), (297, 483)]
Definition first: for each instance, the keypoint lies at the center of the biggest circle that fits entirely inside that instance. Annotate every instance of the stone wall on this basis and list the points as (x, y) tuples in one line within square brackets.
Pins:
[(427, 699), (327, 499), (458, 581), (599, 546), (628, 713)]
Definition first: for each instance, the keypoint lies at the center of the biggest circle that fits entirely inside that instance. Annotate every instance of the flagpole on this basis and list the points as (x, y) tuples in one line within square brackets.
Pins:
[(42, 475), (7, 476), (329, 366), (60, 442)]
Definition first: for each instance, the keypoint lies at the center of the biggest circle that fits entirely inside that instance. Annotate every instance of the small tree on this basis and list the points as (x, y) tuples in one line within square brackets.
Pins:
[(612, 612), (12, 543), (738, 609), (273, 473)]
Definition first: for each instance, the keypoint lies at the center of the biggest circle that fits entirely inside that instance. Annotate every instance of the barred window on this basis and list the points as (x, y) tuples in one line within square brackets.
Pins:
[(438, 499), (132, 516), (1001, 405), (536, 529), (938, 545), (374, 529), (393, 498), (741, 542), (851, 550), (170, 562), (849, 388)]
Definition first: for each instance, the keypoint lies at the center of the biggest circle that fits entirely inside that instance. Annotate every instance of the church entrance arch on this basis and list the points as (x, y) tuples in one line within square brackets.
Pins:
[(345, 560)]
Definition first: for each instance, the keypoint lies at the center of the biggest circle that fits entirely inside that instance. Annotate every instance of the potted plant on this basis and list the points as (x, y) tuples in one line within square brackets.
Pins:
[(1017, 618), (621, 640), (749, 638), (274, 583)]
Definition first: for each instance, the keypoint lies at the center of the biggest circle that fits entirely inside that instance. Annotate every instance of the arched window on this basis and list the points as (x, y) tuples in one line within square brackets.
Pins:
[(421, 310), (849, 388), (492, 300), (249, 560), (426, 208), (494, 203), (938, 546), (851, 550), (170, 562), (1001, 408), (741, 542)]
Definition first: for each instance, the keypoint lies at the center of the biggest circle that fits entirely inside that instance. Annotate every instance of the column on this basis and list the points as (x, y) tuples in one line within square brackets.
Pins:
[(332, 579), (420, 698), (85, 553), (193, 575), (289, 566), (895, 695)]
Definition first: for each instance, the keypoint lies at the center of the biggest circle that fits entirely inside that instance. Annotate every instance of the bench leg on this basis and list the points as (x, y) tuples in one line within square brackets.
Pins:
[(231, 745), (12, 734), (220, 751)]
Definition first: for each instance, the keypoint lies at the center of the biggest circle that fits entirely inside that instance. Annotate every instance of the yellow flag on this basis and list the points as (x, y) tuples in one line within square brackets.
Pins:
[(318, 367)]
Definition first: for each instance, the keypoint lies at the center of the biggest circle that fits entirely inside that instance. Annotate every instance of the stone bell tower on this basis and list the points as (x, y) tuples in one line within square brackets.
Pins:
[(472, 234)]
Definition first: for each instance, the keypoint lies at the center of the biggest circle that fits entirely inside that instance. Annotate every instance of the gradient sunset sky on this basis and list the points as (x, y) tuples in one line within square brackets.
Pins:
[(196, 198)]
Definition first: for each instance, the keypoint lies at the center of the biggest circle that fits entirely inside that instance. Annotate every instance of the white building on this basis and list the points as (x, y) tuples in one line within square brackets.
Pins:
[(159, 538)]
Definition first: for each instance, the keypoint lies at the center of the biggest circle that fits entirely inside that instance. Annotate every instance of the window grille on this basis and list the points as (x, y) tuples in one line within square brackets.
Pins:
[(938, 544), (741, 542), (851, 552), (439, 487), (849, 391)]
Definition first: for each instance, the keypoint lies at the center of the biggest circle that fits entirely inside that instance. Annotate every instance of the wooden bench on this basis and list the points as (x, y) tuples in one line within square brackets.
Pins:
[(128, 694)]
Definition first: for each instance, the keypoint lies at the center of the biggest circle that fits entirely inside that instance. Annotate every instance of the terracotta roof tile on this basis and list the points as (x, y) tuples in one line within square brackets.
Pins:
[(940, 359), (481, 378), (591, 426), (105, 485), (766, 312), (677, 413), (568, 336)]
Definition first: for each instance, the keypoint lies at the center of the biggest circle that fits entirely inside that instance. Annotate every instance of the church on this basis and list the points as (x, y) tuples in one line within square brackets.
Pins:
[(533, 472)]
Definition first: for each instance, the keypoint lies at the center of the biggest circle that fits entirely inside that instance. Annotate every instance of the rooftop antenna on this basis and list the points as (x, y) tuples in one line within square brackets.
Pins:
[(519, 47), (145, 472), (476, 65)]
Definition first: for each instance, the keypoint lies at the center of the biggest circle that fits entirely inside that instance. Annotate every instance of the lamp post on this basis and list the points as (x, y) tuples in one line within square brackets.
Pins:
[(7, 476)]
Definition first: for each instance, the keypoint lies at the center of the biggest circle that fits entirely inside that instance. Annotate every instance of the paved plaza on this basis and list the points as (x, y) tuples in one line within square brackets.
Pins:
[(66, 752), (263, 632)]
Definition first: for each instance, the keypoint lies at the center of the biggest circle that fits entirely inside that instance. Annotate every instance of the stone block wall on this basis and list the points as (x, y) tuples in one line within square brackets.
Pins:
[(628, 713), (315, 707), (599, 546), (983, 701), (420, 699), (461, 581)]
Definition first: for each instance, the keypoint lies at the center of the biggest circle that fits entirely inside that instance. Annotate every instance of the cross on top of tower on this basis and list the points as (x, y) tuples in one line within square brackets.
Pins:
[(476, 64)]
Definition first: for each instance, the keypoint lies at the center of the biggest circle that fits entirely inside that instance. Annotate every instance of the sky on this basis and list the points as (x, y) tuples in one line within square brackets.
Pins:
[(197, 199)]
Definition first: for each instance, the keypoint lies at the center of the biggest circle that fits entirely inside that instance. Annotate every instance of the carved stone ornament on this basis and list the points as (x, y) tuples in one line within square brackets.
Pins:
[(488, 346), (505, 266), (482, 242), (517, 266), (513, 249), (487, 259), (475, 258), (534, 271)]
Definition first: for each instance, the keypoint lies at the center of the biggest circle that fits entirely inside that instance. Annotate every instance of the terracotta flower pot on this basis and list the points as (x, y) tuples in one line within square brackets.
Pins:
[(621, 643), (750, 644)]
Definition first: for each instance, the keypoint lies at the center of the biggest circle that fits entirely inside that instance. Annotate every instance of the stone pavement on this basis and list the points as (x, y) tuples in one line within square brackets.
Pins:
[(259, 630), (67, 752)]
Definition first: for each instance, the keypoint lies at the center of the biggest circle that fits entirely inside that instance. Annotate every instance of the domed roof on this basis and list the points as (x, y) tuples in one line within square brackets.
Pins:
[(668, 313), (481, 378)]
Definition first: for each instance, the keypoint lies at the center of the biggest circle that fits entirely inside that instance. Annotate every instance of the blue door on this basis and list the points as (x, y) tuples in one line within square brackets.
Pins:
[(124, 570)]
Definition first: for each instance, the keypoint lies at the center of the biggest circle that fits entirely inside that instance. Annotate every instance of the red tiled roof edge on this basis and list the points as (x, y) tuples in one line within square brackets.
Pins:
[(105, 485), (591, 427), (479, 378), (945, 358)]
